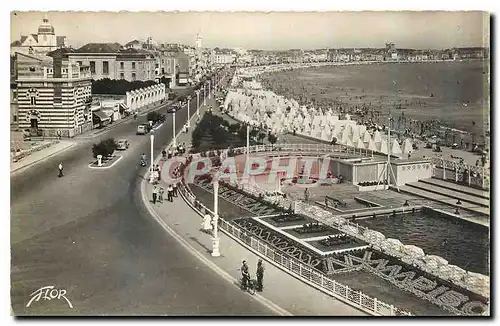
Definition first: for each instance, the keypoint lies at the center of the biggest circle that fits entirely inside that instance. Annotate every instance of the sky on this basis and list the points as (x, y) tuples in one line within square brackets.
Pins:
[(267, 31)]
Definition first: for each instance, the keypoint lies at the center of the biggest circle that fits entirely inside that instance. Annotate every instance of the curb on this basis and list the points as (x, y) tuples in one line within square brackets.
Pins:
[(43, 158), (105, 167)]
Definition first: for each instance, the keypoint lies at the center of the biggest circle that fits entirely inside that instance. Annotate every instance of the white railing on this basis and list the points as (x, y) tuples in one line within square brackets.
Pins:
[(295, 267), (476, 175), (352, 229)]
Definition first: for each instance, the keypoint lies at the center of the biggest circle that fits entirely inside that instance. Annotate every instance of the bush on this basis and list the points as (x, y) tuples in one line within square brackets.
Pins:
[(155, 117), (104, 148)]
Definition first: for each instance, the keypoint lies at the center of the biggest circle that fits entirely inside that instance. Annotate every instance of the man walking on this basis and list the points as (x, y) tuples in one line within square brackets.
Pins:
[(155, 192), (174, 189), (170, 191), (245, 275), (260, 276), (60, 170)]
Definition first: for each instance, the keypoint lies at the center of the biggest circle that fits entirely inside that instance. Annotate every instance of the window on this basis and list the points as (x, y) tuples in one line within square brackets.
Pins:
[(105, 67), (122, 65), (33, 100), (133, 65), (80, 63), (122, 75), (156, 65), (162, 71), (133, 76), (92, 67)]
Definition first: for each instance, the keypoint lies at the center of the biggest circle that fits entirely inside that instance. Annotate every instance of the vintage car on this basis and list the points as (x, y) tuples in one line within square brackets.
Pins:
[(122, 144)]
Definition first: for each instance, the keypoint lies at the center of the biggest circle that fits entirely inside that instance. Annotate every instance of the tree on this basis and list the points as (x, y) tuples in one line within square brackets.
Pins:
[(155, 117), (104, 148), (261, 137), (272, 138)]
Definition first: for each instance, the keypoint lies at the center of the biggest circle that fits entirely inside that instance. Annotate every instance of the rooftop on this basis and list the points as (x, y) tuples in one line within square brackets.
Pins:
[(100, 48)]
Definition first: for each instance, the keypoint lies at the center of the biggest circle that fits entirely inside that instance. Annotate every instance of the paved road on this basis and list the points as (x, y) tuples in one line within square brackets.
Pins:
[(88, 233)]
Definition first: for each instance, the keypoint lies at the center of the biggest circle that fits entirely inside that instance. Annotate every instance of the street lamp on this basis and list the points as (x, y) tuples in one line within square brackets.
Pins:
[(205, 94), (215, 238), (198, 102), (151, 174), (189, 115), (173, 129), (209, 84)]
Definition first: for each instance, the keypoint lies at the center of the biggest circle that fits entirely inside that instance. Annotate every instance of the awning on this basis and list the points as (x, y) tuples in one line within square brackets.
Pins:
[(101, 115)]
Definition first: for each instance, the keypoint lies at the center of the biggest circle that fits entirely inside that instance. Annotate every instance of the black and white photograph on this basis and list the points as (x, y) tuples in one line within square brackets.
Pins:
[(243, 164)]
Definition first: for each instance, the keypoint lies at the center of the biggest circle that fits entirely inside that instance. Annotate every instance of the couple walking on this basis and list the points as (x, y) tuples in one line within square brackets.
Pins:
[(159, 191)]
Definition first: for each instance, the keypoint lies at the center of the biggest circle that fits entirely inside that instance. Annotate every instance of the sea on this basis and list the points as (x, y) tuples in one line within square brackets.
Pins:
[(457, 93)]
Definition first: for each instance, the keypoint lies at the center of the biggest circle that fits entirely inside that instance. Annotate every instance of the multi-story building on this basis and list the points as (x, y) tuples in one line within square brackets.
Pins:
[(41, 43), (110, 60), (53, 95), (223, 57)]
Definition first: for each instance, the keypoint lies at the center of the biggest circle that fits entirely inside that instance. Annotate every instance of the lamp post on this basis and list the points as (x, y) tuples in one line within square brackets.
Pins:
[(173, 129), (189, 115), (205, 94), (215, 238), (151, 174), (209, 90), (198, 102), (248, 144)]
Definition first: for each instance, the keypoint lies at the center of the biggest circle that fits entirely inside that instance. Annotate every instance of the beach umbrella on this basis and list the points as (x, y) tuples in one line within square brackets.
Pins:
[(396, 149)]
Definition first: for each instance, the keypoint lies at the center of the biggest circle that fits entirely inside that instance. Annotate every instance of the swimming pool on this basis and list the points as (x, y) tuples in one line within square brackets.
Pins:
[(461, 243)]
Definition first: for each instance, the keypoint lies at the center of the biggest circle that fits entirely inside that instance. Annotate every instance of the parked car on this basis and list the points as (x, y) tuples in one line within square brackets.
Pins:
[(122, 144), (142, 130)]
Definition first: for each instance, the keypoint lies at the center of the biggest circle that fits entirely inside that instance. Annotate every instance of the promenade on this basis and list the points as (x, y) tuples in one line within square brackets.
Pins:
[(283, 293)]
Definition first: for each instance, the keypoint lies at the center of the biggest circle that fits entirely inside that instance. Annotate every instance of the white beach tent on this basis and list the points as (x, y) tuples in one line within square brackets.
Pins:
[(345, 137), (372, 146), (367, 137), (407, 146), (360, 144), (383, 147), (362, 129), (349, 142), (396, 149), (376, 137)]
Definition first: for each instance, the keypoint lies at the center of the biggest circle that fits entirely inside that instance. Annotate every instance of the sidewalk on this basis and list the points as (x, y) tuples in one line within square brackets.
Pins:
[(41, 155), (282, 292)]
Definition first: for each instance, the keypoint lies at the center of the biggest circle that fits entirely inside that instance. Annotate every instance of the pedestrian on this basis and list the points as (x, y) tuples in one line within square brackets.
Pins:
[(170, 191), (207, 223), (260, 276), (169, 153), (174, 189), (161, 191), (164, 153), (159, 172), (60, 169), (155, 193)]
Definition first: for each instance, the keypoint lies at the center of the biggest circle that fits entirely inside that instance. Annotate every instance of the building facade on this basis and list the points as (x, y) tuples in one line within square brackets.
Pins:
[(110, 60), (53, 95), (41, 43)]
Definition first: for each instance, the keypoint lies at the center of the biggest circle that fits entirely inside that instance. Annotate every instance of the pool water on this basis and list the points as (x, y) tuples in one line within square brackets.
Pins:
[(461, 243)]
